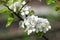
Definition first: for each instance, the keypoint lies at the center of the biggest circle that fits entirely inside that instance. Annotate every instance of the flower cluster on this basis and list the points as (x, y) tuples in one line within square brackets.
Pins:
[(18, 5), (35, 24), (31, 23)]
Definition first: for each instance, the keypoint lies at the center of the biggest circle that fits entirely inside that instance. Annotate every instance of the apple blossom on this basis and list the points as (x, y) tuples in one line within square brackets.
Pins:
[(35, 24)]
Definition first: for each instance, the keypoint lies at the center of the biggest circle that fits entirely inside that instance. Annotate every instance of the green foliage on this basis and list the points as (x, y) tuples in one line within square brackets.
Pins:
[(10, 2), (10, 20), (5, 11), (49, 2), (4, 0), (56, 7), (22, 0), (59, 13), (40, 34), (53, 4), (31, 12), (0, 3), (13, 1)]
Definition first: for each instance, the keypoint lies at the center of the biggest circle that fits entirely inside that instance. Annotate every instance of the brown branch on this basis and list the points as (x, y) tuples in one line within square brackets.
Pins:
[(17, 14), (13, 12), (23, 6)]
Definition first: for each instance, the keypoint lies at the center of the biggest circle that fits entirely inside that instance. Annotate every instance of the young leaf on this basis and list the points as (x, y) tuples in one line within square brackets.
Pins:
[(22, 0), (31, 12), (40, 34), (56, 8), (5, 11), (10, 2), (11, 15), (10, 20), (15, 0), (50, 2)]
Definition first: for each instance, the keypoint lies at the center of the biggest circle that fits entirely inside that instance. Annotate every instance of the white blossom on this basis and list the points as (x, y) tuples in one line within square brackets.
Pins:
[(36, 24), (15, 5), (18, 5), (23, 2)]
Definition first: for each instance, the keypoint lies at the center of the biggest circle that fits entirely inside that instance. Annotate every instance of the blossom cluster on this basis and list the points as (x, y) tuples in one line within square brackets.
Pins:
[(31, 23), (18, 5), (35, 24)]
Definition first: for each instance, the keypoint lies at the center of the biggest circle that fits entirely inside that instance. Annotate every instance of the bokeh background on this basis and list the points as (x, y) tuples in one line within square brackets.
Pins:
[(42, 10)]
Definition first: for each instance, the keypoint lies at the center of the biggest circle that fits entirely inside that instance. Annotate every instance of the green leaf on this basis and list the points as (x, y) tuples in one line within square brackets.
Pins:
[(10, 20), (5, 11), (15, 0), (10, 2), (59, 13), (0, 4), (56, 8), (11, 15), (22, 0), (40, 34), (31, 12), (4, 0), (50, 2), (24, 25)]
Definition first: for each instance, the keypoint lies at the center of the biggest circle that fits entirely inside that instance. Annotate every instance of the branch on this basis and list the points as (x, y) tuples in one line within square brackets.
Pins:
[(22, 7), (17, 14), (13, 12), (45, 38)]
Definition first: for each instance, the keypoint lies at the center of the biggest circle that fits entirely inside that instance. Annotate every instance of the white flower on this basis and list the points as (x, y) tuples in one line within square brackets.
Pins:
[(15, 5), (27, 8), (29, 32), (26, 12), (18, 5), (23, 13), (35, 24), (23, 2), (43, 25), (14, 8)]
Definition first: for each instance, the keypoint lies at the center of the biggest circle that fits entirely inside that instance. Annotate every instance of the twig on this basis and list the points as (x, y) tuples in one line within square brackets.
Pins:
[(13, 12), (22, 7), (45, 38), (17, 14)]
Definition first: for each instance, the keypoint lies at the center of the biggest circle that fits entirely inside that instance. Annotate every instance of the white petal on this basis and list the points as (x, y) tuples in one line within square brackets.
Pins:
[(34, 30), (14, 9), (29, 32), (27, 12), (49, 27), (26, 23), (33, 26), (22, 24), (22, 13), (27, 8), (23, 2)]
